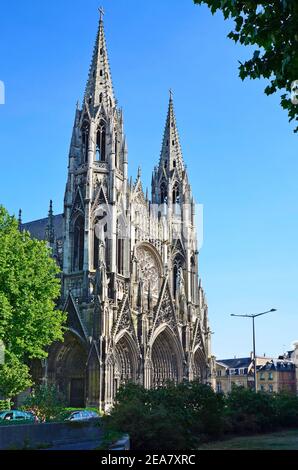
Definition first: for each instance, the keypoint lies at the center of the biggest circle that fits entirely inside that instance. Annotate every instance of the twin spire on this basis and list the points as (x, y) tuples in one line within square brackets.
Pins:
[(99, 89), (171, 158)]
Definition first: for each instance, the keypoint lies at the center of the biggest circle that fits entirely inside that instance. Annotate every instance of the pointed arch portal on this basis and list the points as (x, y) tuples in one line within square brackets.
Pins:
[(126, 360), (199, 365), (67, 368), (167, 361)]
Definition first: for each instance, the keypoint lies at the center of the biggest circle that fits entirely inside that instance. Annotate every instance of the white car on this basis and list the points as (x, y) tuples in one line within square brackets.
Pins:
[(83, 415)]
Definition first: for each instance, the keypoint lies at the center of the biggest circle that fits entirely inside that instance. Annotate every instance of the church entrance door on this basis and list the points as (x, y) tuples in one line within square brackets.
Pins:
[(77, 393)]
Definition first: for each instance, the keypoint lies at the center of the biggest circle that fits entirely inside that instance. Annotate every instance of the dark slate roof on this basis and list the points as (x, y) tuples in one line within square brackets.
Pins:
[(237, 363), (37, 228), (280, 365)]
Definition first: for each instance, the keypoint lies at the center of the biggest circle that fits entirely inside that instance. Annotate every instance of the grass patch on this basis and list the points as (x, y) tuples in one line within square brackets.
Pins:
[(283, 440)]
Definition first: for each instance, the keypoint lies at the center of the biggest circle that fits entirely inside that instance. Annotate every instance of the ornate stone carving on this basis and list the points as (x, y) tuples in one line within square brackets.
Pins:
[(165, 312), (148, 270)]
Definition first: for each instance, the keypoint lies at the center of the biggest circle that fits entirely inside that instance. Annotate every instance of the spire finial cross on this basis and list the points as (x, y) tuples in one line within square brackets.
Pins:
[(101, 13)]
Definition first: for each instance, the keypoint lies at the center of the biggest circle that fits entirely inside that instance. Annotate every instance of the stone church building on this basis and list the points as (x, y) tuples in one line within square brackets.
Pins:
[(130, 284)]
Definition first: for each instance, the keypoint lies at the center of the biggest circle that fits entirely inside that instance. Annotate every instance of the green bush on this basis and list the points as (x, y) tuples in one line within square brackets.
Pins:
[(286, 409), (181, 416), (249, 412), (46, 402), (5, 405), (174, 417)]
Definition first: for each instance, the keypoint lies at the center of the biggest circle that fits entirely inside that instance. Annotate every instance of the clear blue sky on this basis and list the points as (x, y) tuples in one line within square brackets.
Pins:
[(239, 148)]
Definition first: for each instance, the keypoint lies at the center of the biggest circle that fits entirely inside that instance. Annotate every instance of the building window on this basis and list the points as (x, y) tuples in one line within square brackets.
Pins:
[(101, 142), (270, 376), (178, 264), (116, 150), (120, 247), (193, 277), (176, 194), (85, 140), (270, 388), (262, 376), (262, 388), (218, 373), (163, 194), (78, 245), (218, 387)]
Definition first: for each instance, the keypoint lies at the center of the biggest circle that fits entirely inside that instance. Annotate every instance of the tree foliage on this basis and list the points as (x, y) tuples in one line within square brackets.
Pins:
[(14, 376), (29, 286), (184, 415), (172, 417), (272, 27), (46, 402)]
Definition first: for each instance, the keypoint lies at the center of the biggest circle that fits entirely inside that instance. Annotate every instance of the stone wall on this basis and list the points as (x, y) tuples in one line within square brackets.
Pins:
[(49, 434)]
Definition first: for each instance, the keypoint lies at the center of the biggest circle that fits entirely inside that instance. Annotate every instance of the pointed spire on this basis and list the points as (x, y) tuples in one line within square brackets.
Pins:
[(20, 219), (99, 89), (49, 232), (171, 155)]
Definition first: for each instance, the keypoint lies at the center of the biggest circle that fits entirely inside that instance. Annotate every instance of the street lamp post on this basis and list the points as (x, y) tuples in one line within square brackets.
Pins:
[(253, 316)]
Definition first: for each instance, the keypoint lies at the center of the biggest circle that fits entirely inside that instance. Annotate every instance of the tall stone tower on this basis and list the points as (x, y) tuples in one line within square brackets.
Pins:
[(130, 285)]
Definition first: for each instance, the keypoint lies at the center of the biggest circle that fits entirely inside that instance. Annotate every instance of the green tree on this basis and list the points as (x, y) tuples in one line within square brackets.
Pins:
[(46, 402), (29, 286), (14, 376), (272, 27)]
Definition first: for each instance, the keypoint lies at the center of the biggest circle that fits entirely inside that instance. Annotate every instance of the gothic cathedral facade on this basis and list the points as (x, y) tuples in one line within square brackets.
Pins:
[(130, 284)]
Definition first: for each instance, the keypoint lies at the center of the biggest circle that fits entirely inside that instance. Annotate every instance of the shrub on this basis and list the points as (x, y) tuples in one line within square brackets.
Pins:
[(286, 409), (181, 416), (247, 411), (171, 417), (5, 405), (46, 402)]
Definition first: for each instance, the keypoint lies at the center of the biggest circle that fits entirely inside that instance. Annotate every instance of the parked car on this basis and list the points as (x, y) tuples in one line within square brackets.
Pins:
[(82, 415), (16, 415)]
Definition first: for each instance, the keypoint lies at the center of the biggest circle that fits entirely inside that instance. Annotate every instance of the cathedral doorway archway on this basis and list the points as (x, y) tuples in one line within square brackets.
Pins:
[(167, 359), (67, 368), (126, 360), (199, 365)]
